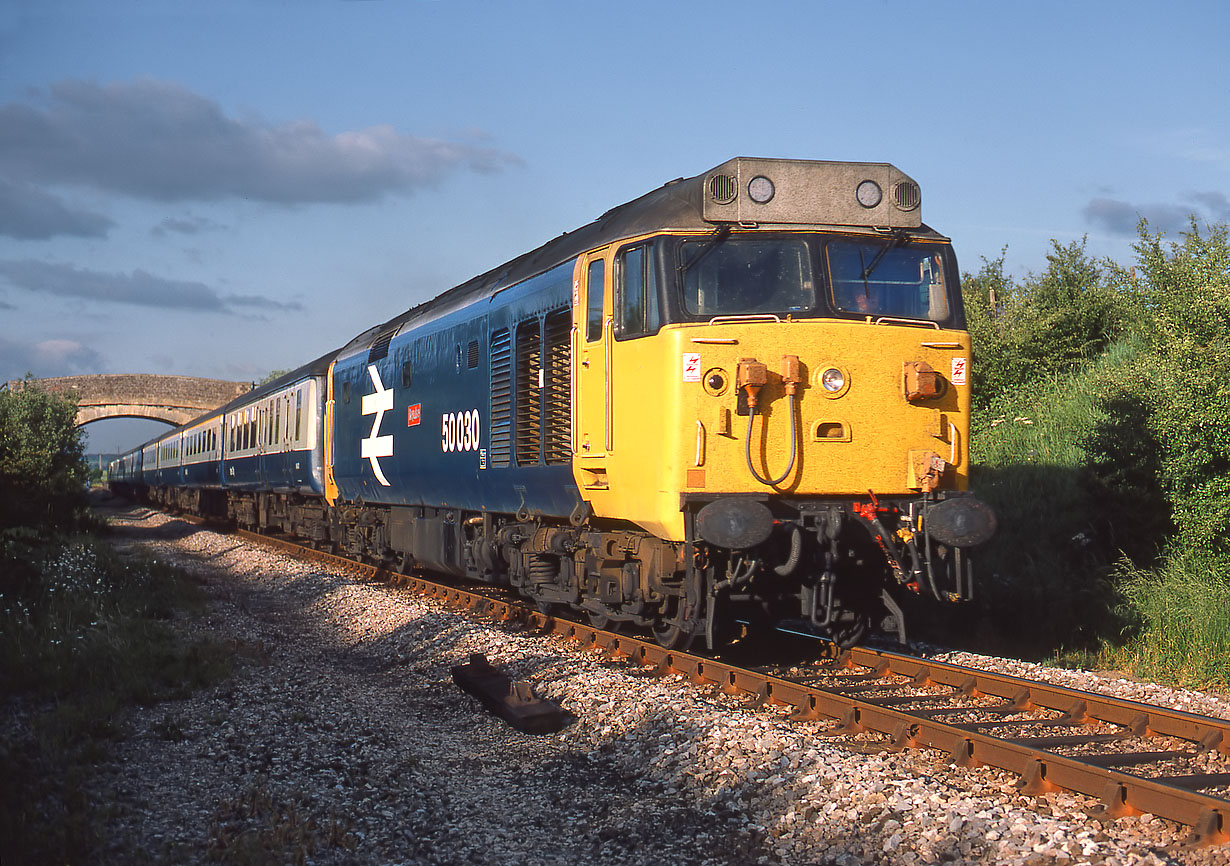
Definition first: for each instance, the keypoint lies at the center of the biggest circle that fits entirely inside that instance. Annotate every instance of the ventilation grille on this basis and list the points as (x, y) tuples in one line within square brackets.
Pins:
[(722, 188), (501, 399), (380, 347), (558, 390), (528, 400), (472, 355), (906, 195)]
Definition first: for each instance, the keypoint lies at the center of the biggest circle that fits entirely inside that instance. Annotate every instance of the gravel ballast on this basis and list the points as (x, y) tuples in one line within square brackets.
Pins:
[(341, 738)]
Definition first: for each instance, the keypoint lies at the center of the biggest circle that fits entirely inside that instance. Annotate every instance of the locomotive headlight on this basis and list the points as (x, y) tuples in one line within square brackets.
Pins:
[(833, 380), (760, 189), (868, 193)]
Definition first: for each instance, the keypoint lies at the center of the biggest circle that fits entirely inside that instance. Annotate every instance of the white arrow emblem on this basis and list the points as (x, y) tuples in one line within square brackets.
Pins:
[(375, 447)]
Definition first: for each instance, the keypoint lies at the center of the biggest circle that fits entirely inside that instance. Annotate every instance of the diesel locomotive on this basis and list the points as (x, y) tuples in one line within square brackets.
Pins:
[(738, 402)]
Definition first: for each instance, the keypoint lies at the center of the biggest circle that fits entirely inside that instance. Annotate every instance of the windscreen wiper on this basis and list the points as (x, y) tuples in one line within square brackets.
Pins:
[(718, 236), (899, 239)]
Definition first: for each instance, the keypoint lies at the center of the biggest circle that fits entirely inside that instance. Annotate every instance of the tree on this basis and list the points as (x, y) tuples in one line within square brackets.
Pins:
[(1044, 325), (42, 460)]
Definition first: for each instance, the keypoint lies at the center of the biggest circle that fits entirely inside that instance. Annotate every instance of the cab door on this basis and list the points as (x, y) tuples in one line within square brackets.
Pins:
[(593, 334)]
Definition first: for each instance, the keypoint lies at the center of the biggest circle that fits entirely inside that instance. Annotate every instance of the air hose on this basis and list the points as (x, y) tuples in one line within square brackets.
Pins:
[(794, 444)]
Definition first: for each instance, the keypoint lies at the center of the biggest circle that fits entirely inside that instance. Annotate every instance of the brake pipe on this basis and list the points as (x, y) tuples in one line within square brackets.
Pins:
[(751, 377), (747, 446)]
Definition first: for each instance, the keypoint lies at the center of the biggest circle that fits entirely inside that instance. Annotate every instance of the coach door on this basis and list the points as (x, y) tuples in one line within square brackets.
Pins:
[(593, 333)]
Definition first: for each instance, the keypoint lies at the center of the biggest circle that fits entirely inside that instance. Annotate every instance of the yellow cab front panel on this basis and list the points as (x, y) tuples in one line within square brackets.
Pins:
[(675, 420)]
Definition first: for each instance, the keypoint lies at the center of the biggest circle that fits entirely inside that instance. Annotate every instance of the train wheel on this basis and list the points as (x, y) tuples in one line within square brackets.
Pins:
[(598, 620), (669, 635), (850, 628)]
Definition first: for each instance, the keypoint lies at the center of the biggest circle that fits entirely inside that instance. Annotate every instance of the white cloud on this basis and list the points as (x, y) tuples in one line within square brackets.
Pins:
[(159, 141)]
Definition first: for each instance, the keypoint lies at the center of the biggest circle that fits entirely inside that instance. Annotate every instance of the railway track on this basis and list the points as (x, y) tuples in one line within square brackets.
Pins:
[(1133, 758)]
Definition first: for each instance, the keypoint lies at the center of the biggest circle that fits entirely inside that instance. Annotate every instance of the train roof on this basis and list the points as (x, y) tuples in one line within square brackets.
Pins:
[(808, 193)]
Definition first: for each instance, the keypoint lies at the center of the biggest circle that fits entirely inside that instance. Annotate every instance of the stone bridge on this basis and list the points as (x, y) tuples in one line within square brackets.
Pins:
[(173, 399)]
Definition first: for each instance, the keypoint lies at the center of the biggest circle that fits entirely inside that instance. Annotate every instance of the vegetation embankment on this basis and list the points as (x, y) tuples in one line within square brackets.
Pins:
[(83, 633), (1102, 438)]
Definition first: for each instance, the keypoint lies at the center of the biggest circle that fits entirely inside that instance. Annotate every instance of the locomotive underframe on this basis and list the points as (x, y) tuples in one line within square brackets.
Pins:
[(834, 568)]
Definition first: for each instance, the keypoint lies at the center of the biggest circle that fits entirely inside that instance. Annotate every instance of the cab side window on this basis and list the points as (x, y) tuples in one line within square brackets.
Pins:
[(593, 306), (638, 312)]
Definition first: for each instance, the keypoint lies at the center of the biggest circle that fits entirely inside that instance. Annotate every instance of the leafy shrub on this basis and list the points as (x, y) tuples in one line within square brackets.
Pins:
[(1047, 324), (42, 460), (1125, 376)]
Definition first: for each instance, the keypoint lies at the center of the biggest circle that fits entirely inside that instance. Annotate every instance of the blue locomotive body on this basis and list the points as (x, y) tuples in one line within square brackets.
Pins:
[(423, 418)]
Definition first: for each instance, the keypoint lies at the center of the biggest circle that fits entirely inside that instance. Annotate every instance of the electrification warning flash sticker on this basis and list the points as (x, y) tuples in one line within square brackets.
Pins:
[(960, 371), (691, 366)]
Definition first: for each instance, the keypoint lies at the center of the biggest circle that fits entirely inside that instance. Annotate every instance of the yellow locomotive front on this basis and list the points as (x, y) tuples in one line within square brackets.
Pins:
[(783, 396)]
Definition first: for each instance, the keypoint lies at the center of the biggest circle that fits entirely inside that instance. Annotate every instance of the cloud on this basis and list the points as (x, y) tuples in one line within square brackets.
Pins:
[(260, 302), (139, 288), (159, 141), (1121, 217), (31, 214), (189, 225), (1215, 203), (46, 358)]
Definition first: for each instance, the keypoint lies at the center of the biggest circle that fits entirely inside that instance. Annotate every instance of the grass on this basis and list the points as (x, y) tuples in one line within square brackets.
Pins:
[(84, 633), (1044, 580), (1184, 630)]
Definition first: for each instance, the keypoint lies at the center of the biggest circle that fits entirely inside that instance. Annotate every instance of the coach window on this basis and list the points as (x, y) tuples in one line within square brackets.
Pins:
[(636, 293), (298, 413), (593, 306)]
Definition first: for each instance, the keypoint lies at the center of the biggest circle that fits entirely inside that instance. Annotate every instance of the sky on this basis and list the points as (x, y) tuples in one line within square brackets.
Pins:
[(228, 188)]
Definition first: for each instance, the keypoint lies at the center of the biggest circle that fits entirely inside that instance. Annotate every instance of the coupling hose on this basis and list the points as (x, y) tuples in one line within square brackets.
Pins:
[(747, 446)]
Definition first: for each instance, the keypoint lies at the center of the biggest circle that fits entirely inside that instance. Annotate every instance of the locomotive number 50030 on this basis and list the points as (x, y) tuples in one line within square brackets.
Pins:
[(459, 431)]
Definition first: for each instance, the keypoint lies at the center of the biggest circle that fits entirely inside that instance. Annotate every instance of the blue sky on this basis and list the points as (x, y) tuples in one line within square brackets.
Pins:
[(222, 189)]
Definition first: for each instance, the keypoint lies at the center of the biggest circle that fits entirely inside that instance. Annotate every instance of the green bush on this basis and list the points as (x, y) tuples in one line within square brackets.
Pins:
[(42, 460), (1102, 435), (1044, 325)]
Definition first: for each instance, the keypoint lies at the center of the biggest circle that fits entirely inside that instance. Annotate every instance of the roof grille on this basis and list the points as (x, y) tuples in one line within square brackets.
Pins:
[(722, 188), (906, 195), (380, 347)]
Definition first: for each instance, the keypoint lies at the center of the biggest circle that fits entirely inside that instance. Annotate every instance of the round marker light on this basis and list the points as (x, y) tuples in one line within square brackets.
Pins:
[(868, 193), (760, 189), (833, 380)]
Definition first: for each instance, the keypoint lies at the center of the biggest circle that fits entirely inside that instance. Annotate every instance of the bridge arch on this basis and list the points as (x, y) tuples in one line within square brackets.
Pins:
[(173, 400)]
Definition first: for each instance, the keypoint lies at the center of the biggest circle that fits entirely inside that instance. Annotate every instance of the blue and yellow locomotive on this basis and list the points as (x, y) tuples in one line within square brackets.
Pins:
[(737, 401)]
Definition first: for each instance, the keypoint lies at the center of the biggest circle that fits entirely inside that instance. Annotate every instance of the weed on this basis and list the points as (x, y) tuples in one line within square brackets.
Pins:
[(83, 634)]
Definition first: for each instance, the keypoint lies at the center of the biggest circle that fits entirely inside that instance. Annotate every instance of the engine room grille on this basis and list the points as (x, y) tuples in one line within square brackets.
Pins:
[(501, 399), (558, 390), (528, 436)]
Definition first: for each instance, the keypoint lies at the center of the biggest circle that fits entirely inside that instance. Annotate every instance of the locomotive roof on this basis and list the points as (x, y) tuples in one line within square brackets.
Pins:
[(679, 205)]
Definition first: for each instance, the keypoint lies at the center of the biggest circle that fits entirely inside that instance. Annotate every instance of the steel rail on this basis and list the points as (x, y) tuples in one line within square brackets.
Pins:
[(1040, 770)]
